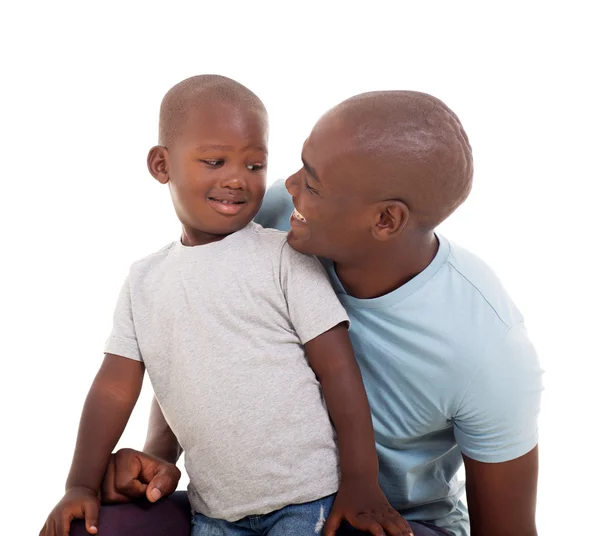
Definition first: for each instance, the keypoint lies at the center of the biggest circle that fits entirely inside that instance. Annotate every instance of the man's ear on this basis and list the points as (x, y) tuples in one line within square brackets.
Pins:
[(389, 219), (158, 163)]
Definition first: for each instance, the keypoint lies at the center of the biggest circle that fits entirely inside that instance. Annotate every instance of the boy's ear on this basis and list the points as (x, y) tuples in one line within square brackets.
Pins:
[(389, 219), (158, 163)]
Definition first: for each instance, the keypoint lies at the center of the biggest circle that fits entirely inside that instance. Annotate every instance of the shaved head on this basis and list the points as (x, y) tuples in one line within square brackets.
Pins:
[(198, 91), (408, 146)]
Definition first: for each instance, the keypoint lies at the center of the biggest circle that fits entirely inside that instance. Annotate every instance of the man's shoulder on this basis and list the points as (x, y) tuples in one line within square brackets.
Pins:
[(479, 285), (463, 306)]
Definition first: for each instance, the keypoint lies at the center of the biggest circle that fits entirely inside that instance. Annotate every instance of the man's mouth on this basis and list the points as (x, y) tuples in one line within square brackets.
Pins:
[(296, 215)]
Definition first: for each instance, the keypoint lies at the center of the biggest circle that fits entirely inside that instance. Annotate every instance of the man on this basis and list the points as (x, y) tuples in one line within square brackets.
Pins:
[(451, 375)]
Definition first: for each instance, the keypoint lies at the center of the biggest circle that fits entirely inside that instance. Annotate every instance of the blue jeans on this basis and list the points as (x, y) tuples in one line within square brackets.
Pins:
[(295, 519)]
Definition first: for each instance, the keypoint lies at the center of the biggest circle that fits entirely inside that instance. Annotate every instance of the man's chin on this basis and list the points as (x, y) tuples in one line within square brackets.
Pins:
[(301, 245)]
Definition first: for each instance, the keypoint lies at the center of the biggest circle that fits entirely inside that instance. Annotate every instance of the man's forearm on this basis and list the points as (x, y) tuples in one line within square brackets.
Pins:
[(106, 411), (160, 439)]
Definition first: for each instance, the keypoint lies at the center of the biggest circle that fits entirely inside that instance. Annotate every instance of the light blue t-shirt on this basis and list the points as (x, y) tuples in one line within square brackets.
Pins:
[(448, 369)]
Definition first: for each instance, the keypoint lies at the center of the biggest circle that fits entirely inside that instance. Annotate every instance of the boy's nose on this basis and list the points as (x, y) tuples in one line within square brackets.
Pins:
[(233, 183)]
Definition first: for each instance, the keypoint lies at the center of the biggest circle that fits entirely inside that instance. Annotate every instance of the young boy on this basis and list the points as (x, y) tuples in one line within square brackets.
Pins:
[(242, 338)]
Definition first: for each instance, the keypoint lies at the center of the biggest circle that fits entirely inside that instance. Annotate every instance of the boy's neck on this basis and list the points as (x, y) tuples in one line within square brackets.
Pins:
[(193, 237), (389, 268)]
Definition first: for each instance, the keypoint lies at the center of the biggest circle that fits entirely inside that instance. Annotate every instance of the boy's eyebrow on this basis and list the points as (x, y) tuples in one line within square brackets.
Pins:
[(229, 147), (310, 170), (222, 147)]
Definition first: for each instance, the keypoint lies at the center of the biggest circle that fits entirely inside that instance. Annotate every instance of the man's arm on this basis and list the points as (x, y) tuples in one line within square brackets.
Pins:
[(502, 496), (496, 428), (132, 474), (160, 439)]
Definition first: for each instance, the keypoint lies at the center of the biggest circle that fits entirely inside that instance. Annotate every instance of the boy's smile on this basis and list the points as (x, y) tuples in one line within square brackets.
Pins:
[(227, 203)]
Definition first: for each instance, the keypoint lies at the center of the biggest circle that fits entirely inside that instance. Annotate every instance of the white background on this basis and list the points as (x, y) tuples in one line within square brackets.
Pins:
[(81, 86)]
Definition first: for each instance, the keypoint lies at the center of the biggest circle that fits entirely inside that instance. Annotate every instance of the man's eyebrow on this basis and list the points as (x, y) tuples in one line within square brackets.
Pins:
[(310, 170)]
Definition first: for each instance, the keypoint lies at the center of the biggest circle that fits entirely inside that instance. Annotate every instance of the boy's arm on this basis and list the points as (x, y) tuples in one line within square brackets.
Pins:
[(331, 357), (107, 408), (106, 411), (360, 499)]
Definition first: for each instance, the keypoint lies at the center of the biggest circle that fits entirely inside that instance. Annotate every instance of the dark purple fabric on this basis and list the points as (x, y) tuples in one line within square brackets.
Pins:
[(169, 517), (172, 517)]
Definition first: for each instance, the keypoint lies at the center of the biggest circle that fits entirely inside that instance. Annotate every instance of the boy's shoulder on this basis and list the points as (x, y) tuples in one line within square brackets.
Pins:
[(267, 241), (254, 240), (151, 262)]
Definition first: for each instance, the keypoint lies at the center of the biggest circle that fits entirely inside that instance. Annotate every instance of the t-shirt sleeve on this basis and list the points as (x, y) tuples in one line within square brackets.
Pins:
[(122, 340), (497, 420), (312, 304)]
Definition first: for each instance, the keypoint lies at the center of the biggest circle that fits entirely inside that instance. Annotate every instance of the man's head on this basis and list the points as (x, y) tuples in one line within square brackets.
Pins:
[(213, 135), (378, 167)]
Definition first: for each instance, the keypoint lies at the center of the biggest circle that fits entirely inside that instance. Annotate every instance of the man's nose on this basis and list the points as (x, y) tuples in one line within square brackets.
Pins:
[(292, 184)]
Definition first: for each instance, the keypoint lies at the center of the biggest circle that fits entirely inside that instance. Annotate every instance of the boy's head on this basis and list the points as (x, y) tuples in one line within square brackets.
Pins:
[(213, 135), (378, 168)]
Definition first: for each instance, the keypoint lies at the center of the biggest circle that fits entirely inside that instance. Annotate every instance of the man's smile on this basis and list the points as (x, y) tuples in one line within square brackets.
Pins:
[(297, 216)]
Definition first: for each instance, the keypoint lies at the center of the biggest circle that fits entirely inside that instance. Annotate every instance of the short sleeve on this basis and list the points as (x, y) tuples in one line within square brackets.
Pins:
[(122, 340), (497, 420), (312, 303)]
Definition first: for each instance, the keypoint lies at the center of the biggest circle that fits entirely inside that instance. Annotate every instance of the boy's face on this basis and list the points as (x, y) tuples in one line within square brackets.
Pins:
[(216, 170)]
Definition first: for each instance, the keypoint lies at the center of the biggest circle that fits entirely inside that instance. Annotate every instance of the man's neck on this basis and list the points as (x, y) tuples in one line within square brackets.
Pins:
[(389, 268)]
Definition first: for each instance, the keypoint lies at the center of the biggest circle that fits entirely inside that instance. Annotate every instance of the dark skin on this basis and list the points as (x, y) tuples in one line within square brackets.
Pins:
[(378, 243), (215, 170), (107, 408)]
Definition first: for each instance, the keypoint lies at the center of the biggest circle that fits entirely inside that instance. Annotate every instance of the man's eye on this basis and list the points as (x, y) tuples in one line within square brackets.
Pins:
[(309, 187), (255, 167)]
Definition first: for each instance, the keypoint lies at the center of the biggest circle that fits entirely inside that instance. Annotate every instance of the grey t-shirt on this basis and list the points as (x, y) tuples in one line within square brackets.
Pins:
[(220, 329)]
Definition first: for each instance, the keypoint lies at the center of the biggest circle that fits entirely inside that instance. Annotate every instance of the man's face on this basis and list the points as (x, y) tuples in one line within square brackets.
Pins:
[(330, 214), (217, 169)]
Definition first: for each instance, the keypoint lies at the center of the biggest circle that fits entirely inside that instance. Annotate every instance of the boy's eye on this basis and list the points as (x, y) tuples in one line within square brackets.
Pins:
[(255, 167), (213, 163)]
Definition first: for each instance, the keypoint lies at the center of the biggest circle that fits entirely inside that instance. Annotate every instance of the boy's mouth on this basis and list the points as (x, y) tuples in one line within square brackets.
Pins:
[(228, 207), (226, 201)]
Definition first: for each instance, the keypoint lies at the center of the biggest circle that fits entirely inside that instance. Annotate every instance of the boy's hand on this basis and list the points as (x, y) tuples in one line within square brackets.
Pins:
[(78, 503), (367, 510)]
